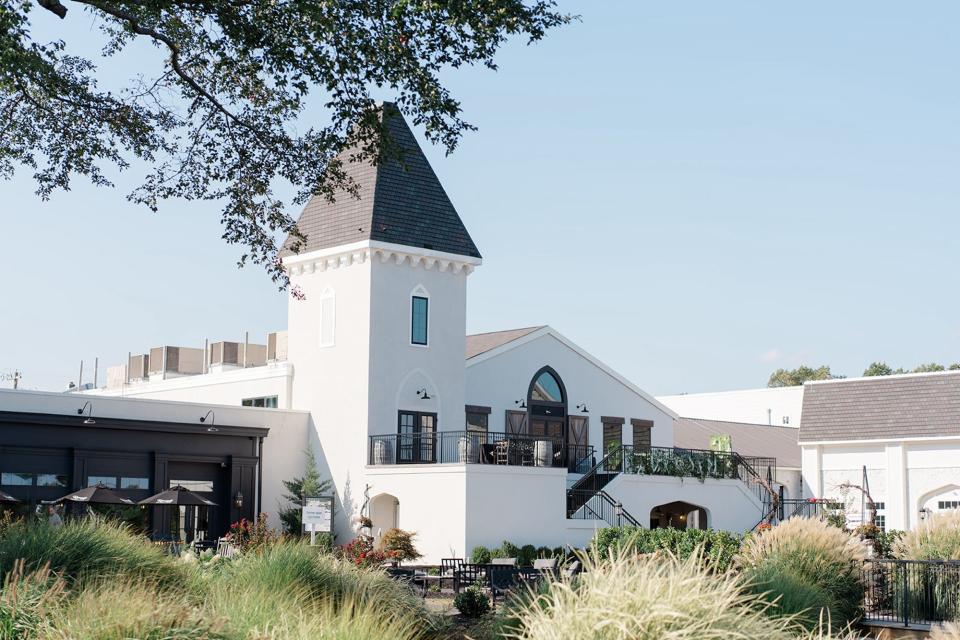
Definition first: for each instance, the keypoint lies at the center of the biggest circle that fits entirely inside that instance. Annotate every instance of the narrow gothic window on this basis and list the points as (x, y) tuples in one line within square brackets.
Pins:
[(328, 314), (418, 321)]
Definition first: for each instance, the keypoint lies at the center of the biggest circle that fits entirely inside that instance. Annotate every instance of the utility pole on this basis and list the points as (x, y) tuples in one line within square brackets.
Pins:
[(15, 377)]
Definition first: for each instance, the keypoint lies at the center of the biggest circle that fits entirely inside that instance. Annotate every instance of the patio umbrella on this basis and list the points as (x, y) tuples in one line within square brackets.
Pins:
[(6, 498), (97, 494), (178, 496)]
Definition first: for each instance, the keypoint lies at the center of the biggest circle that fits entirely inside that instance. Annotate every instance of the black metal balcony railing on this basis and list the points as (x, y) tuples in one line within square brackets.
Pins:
[(686, 463), (475, 447), (912, 593)]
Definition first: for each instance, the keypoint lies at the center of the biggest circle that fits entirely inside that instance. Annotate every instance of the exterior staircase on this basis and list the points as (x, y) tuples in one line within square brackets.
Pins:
[(586, 498)]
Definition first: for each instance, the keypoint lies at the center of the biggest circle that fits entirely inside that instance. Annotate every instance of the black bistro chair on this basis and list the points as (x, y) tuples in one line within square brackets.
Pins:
[(502, 579), (448, 571), (468, 574)]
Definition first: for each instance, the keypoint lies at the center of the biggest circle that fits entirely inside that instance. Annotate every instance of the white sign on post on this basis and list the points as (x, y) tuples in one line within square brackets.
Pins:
[(317, 515)]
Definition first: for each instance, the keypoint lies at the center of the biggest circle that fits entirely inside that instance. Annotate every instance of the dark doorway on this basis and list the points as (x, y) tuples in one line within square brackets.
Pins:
[(416, 442), (678, 515)]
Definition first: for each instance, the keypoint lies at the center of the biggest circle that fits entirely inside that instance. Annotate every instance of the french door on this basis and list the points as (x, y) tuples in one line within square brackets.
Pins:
[(416, 437)]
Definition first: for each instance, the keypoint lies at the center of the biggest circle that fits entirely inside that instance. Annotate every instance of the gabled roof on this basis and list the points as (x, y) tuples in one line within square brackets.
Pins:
[(747, 439), (883, 407), (520, 337), (400, 202), (483, 342)]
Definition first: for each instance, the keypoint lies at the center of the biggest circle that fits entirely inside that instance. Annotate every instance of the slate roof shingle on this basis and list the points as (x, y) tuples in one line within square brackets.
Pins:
[(400, 201), (760, 440), (902, 406)]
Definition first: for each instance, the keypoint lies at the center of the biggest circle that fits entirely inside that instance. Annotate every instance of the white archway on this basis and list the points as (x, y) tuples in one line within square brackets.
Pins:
[(384, 514), (930, 501)]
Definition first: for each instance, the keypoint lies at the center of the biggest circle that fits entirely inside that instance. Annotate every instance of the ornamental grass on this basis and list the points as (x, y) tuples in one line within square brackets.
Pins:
[(100, 582), (807, 570), (624, 596), (936, 538)]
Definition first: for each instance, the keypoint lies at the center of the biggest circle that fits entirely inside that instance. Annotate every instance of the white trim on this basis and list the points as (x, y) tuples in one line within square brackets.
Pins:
[(209, 379), (811, 443), (547, 330), (366, 250), (896, 376)]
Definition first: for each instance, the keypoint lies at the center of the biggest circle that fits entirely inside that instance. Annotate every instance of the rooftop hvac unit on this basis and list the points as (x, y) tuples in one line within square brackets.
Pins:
[(277, 346), (138, 367), (175, 361)]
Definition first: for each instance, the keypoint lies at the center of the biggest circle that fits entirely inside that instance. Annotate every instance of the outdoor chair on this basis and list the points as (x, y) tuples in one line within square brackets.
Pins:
[(509, 562), (573, 569), (502, 451), (502, 579), (448, 570), (466, 575)]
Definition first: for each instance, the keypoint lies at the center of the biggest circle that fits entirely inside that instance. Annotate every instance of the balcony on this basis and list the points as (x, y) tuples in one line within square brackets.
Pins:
[(472, 447)]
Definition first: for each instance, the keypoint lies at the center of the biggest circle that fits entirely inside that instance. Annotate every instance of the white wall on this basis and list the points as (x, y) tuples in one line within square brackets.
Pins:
[(355, 387), (754, 406), (905, 475), (499, 381), (223, 387), (730, 504), (432, 503)]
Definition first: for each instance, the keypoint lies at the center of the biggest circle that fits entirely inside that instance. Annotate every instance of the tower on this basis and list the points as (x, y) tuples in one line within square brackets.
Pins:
[(378, 343)]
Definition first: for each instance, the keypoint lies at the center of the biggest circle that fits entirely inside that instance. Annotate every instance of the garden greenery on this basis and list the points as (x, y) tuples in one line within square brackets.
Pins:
[(95, 580), (715, 548), (936, 538), (807, 568)]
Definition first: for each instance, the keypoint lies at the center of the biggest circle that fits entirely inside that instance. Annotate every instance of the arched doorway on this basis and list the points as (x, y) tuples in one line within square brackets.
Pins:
[(678, 515), (944, 498), (547, 405), (384, 514)]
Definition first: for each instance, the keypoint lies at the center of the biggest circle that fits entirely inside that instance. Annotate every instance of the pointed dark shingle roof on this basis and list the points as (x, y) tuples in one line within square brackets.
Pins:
[(401, 202)]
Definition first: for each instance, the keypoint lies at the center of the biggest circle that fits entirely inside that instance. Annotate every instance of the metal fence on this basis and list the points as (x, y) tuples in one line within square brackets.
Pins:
[(477, 447), (911, 593)]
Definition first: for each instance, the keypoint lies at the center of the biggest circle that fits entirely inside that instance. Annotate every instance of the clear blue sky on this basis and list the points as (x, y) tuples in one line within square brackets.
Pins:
[(696, 192)]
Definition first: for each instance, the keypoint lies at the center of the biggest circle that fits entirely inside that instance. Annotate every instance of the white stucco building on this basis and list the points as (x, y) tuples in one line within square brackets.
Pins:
[(515, 435), (902, 432), (777, 406)]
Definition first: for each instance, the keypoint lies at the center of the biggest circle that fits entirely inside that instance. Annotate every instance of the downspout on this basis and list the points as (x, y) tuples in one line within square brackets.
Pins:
[(259, 476)]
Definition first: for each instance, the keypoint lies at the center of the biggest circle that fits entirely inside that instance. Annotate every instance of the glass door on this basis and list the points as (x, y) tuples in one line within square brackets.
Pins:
[(415, 437)]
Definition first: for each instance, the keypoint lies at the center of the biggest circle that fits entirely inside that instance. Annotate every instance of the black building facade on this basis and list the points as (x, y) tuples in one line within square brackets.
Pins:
[(45, 456)]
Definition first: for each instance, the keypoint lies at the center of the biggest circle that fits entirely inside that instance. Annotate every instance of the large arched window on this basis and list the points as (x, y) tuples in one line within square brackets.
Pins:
[(546, 387), (547, 405)]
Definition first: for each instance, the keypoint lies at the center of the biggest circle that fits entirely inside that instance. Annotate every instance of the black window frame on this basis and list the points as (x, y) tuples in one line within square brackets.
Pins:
[(426, 321), (413, 447)]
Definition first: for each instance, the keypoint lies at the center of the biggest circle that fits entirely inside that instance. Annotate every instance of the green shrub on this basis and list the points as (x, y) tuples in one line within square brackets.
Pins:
[(884, 541), (506, 550), (811, 555), (623, 596), (715, 548), (85, 549), (526, 555), (472, 602), (480, 555), (936, 538)]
